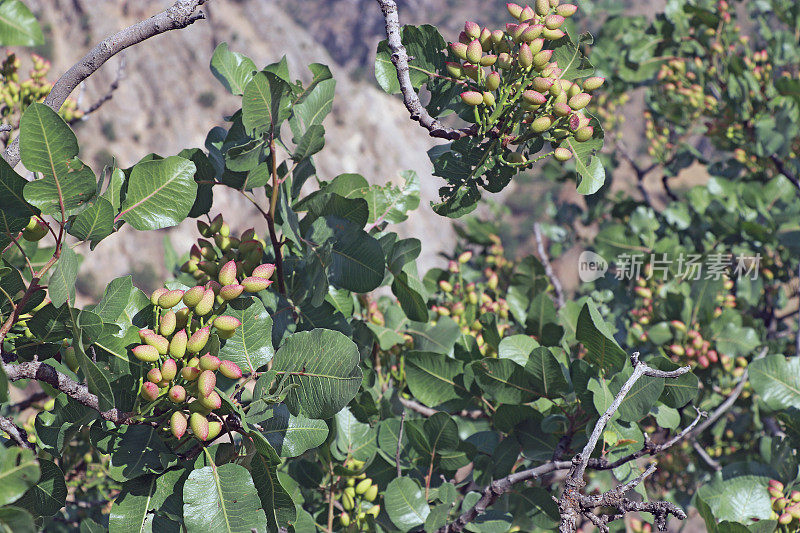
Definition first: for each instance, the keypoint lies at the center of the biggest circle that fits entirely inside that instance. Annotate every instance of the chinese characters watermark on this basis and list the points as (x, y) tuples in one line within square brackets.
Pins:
[(684, 266)]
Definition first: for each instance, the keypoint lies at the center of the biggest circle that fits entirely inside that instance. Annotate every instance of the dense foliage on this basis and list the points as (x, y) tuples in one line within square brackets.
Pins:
[(306, 376)]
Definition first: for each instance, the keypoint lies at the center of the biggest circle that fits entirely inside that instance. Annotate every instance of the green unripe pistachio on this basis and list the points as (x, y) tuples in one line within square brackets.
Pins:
[(371, 493), (527, 13), (363, 485), (566, 10), (227, 274), (573, 90), (225, 230), (177, 346), (488, 99), (193, 296), (375, 510), (206, 383), (542, 7), (553, 35), (257, 284), (347, 502), (230, 370), (492, 82), (222, 242), (562, 154), (542, 58), (584, 134), (177, 394), (344, 519), (230, 292), (525, 56), (168, 322), (177, 424), (455, 70), (534, 97), (593, 83), (351, 491), (154, 375), (532, 33), (472, 29), (214, 429), (212, 401), (170, 299), (35, 230), (160, 343), (504, 61), (555, 89), (169, 369), (541, 84), (203, 228), (579, 101), (146, 353), (459, 50), (190, 266), (541, 124), (216, 224), (199, 425), (561, 109), (209, 362), (190, 373), (150, 391), (227, 323), (472, 71), (158, 293), (561, 98), (553, 21), (488, 60), (536, 46), (70, 358), (498, 36), (206, 303), (515, 10), (198, 340), (474, 52)]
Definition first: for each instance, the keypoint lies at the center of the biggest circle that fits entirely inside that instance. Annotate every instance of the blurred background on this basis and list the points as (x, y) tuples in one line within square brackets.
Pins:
[(167, 100)]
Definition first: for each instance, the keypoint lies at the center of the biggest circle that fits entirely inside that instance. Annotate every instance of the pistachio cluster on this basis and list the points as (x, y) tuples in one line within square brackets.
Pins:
[(357, 497), (16, 96), (206, 259), (183, 366), (785, 506), (511, 78), (688, 344), (465, 302)]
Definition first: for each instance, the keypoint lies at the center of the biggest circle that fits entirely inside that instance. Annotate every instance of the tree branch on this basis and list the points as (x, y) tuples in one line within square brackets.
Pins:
[(400, 59), (17, 434), (548, 268), (180, 15), (46, 373)]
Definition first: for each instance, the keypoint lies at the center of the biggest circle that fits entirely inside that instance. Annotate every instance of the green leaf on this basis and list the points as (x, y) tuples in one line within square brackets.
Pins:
[(777, 380), (391, 203), (353, 438), (432, 377), (735, 340), (438, 338), (54, 429), (596, 336), (324, 366), (19, 471), (160, 193), (405, 503), (115, 299), (222, 499), (312, 141), (677, 391), (591, 174), (425, 48), (232, 69), (276, 502), (290, 435), (15, 211), (410, 294), (403, 251), (518, 348), (141, 451), (356, 258), (640, 399), (131, 511), (506, 381), (547, 373), (739, 499), (61, 286), (18, 26), (265, 103), (48, 145), (95, 223), (251, 344), (16, 520)]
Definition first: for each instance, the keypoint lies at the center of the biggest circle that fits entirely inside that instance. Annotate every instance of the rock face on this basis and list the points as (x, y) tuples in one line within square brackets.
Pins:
[(168, 100)]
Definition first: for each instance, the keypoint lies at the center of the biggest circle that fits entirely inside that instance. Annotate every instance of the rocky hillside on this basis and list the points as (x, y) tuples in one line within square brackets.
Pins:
[(168, 100)]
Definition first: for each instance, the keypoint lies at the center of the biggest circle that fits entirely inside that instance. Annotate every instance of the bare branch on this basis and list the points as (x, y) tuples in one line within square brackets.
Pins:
[(109, 94), (723, 407), (16, 434), (180, 15), (427, 411), (705, 457), (400, 61), (548, 268), (46, 373)]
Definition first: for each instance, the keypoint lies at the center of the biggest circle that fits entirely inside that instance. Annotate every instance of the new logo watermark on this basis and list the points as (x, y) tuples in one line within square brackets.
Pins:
[(591, 266)]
